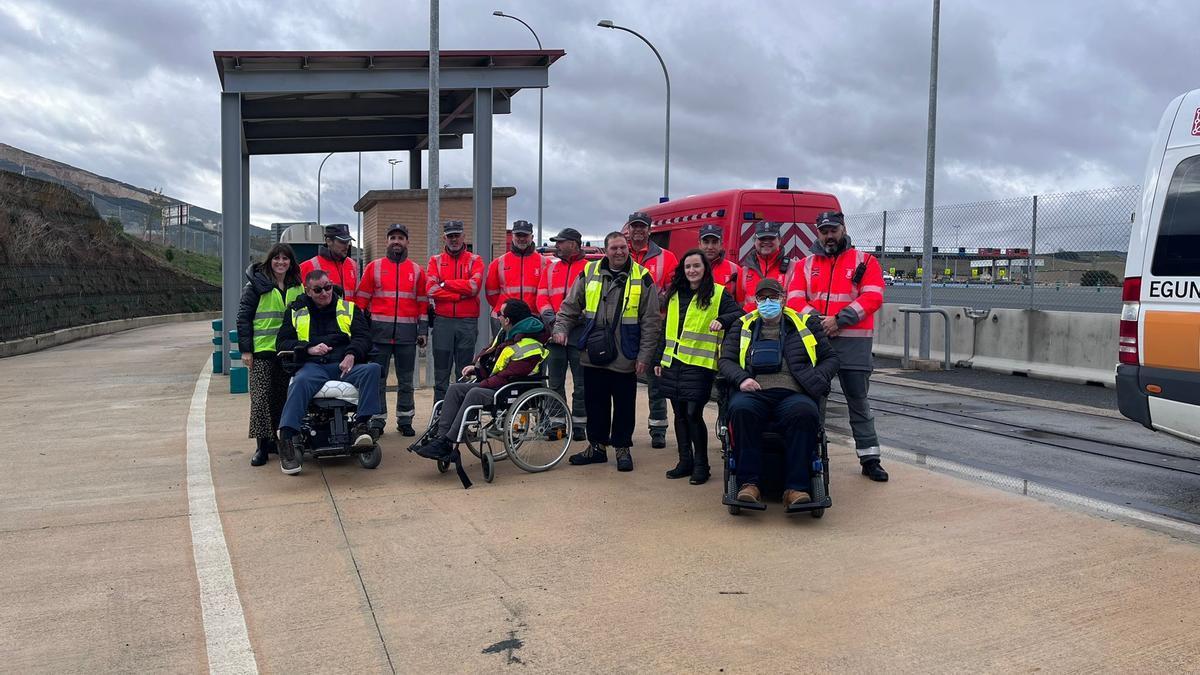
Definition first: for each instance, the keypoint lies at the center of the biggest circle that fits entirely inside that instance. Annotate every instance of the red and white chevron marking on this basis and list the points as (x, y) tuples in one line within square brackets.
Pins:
[(797, 238), (690, 218)]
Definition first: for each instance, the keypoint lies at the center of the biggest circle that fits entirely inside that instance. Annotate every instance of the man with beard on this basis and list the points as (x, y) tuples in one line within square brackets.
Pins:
[(844, 286), (661, 264), (393, 289), (724, 272), (333, 258), (455, 279), (559, 275), (517, 273)]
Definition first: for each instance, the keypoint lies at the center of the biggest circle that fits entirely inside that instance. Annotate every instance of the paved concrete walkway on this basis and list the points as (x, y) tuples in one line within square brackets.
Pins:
[(578, 569)]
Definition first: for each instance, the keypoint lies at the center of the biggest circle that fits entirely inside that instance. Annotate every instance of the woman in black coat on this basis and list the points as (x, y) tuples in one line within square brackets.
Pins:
[(689, 362), (271, 286)]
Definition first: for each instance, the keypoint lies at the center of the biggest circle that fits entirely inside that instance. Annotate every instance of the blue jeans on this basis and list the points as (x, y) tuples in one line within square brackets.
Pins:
[(793, 415), (312, 376)]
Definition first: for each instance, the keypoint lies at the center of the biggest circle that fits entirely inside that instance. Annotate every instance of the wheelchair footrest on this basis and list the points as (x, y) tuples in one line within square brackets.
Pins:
[(730, 501), (810, 506)]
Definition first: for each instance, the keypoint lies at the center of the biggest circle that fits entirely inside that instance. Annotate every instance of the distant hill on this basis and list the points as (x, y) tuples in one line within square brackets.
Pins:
[(136, 207)]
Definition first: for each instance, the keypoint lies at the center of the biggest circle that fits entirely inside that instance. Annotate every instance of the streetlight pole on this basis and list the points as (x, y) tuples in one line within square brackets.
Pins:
[(931, 133), (322, 166), (606, 23), (541, 91), (393, 162)]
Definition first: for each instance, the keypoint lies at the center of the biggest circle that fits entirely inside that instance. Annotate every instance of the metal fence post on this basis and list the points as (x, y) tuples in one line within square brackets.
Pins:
[(883, 244), (1032, 259)]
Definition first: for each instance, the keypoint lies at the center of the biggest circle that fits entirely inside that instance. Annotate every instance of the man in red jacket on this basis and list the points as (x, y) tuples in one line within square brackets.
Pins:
[(517, 273), (393, 289), (334, 259), (455, 278), (713, 244), (844, 286), (766, 261), (561, 272), (661, 264)]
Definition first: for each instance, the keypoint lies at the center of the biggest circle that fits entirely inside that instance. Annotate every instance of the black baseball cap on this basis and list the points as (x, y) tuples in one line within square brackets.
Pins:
[(711, 230), (568, 234), (638, 217), (339, 231), (766, 228), (830, 219), (523, 226), (397, 227), (453, 227)]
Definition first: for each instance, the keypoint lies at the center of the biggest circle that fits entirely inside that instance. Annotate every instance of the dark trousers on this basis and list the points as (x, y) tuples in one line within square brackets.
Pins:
[(405, 358), (312, 376), (610, 398), (561, 357), (793, 415), (459, 397), (855, 385), (691, 433), (453, 350), (658, 404)]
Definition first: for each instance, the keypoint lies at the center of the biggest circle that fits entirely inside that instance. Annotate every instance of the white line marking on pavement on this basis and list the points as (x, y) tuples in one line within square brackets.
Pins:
[(225, 635)]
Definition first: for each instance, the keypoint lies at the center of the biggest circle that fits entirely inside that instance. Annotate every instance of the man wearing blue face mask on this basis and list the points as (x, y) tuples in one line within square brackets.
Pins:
[(778, 364)]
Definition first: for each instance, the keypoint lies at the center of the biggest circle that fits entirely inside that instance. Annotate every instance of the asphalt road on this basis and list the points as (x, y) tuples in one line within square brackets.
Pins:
[(1067, 299)]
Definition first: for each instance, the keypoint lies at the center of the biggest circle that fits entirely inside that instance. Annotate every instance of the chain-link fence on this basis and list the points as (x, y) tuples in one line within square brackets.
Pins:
[(142, 221), (1062, 252)]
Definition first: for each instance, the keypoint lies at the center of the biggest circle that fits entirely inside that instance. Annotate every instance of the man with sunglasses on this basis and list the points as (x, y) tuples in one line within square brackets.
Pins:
[(844, 286), (331, 340), (455, 278)]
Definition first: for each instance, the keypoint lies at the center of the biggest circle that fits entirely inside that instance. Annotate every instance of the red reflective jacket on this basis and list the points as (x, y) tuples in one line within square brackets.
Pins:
[(454, 284), (556, 281), (396, 297), (344, 274), (755, 269), (514, 275), (825, 284), (725, 273), (659, 261)]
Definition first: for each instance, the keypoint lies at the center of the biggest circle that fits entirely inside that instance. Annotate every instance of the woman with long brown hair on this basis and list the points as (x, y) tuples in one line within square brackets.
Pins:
[(271, 286)]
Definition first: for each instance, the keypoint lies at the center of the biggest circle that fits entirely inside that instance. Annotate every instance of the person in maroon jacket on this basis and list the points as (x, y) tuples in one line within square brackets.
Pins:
[(517, 351)]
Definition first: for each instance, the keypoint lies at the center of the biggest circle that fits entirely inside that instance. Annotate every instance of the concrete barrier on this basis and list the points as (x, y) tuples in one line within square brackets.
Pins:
[(63, 336), (1069, 346)]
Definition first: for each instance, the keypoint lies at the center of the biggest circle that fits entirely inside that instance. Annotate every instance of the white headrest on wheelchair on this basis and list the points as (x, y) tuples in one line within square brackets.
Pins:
[(340, 390)]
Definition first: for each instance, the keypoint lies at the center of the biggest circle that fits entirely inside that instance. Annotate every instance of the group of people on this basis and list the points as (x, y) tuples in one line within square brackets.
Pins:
[(769, 332)]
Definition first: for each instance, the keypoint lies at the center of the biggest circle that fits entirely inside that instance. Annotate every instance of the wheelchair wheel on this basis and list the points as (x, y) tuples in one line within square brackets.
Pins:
[(489, 465), (370, 460), (443, 467), (476, 438), (817, 513), (734, 510), (535, 437)]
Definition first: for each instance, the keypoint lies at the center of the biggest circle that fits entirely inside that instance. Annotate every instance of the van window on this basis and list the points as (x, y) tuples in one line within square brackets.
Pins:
[(1177, 250)]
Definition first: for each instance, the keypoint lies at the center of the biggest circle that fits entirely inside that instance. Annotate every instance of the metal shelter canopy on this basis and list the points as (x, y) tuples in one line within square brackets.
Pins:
[(309, 102)]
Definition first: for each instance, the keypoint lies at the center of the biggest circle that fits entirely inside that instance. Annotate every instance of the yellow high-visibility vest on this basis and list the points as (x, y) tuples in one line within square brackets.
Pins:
[(810, 340), (302, 319), (268, 316), (696, 345), (521, 349)]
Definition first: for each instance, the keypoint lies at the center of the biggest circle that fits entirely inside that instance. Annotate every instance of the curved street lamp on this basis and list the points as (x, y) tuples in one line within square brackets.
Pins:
[(393, 162), (322, 166), (540, 110), (606, 23)]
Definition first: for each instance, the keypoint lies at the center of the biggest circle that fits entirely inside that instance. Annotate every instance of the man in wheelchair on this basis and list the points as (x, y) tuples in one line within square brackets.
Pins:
[(516, 352), (778, 364), (331, 340)]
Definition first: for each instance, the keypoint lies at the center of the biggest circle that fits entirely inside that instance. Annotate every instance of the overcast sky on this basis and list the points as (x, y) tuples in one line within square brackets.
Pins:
[(1035, 96)]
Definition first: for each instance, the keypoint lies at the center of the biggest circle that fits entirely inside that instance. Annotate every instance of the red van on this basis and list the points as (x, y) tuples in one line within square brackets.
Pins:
[(676, 224)]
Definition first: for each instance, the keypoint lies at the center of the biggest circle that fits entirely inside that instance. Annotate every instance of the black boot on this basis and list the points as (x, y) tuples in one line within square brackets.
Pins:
[(871, 469), (684, 468), (260, 453), (700, 471)]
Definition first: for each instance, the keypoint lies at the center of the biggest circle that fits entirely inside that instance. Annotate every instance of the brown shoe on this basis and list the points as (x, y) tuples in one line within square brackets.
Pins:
[(749, 494), (795, 497)]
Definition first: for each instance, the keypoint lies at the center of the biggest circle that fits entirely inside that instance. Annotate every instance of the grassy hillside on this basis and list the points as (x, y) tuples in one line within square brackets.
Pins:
[(205, 267)]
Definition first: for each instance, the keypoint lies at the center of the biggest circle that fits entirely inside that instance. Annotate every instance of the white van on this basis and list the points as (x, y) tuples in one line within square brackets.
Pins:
[(1158, 375)]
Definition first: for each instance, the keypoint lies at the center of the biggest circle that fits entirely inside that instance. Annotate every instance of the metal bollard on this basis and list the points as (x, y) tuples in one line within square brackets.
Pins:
[(217, 344), (239, 375)]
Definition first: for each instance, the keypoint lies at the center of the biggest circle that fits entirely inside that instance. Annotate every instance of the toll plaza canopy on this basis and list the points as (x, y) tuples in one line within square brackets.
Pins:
[(275, 103)]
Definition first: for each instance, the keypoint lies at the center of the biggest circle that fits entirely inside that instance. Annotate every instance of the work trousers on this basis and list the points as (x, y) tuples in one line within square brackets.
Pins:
[(793, 415), (560, 358), (460, 396), (312, 376), (855, 385), (658, 405), (404, 356), (453, 350), (611, 398)]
